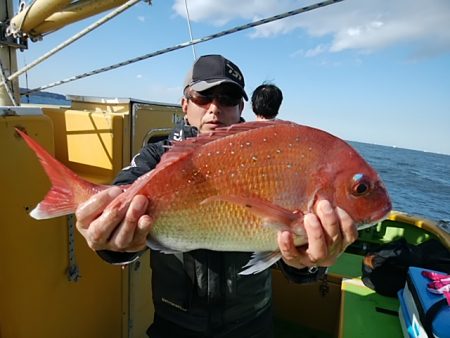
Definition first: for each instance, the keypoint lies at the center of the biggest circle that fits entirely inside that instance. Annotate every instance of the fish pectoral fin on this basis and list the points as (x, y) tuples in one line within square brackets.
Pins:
[(158, 246), (273, 215), (260, 261), (272, 223)]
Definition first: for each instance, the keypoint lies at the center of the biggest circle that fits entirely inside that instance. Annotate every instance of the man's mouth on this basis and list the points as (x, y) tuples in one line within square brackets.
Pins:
[(214, 123)]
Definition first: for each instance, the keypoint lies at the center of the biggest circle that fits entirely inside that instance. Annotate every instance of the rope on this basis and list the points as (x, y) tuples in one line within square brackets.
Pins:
[(187, 44), (74, 38), (6, 85)]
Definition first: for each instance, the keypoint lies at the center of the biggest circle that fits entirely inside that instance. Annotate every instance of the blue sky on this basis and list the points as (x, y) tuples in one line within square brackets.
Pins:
[(373, 71)]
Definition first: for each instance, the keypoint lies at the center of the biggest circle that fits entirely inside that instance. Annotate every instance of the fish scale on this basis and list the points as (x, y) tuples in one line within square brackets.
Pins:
[(228, 226)]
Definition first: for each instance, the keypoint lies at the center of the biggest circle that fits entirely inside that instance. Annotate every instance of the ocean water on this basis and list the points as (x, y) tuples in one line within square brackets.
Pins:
[(418, 182)]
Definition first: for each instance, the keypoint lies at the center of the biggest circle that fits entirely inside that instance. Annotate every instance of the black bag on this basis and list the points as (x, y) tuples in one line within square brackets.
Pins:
[(384, 270)]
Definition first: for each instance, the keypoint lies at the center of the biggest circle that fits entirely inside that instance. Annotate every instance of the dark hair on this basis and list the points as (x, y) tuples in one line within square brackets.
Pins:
[(266, 100)]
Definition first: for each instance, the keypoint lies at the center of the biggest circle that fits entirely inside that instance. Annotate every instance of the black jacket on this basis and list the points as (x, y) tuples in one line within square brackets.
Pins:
[(201, 289)]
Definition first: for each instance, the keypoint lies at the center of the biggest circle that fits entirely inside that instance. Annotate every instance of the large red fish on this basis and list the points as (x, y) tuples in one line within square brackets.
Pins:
[(234, 188)]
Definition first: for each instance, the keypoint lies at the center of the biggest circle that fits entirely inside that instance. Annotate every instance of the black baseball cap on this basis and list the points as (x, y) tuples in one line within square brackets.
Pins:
[(212, 70)]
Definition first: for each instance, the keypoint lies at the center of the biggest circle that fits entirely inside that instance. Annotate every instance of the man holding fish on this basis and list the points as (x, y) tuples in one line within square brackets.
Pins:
[(201, 293)]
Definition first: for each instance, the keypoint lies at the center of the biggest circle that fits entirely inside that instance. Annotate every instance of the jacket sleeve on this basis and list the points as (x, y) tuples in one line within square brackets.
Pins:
[(300, 276), (143, 162)]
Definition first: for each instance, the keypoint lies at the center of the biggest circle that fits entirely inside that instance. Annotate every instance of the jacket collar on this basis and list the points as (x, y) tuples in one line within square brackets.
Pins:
[(182, 131)]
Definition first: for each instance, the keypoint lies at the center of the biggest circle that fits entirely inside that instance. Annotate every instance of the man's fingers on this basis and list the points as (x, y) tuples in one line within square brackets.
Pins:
[(93, 207), (141, 233), (125, 233), (286, 244), (349, 230), (103, 227), (329, 232), (330, 223), (144, 226), (317, 245), (123, 227)]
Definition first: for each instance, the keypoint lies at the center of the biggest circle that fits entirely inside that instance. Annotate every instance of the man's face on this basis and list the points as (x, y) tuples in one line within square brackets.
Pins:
[(219, 106)]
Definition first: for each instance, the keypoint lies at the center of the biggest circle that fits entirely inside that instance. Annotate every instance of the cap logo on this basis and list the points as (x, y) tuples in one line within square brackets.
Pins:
[(234, 73)]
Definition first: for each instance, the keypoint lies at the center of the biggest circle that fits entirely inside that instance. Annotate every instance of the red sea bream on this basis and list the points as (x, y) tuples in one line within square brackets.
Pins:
[(234, 188)]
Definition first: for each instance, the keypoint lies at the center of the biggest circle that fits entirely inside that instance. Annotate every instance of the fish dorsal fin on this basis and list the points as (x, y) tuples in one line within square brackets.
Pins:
[(181, 149), (242, 127)]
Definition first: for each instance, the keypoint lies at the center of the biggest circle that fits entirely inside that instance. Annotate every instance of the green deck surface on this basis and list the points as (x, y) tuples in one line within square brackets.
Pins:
[(347, 266), (368, 314), (389, 231)]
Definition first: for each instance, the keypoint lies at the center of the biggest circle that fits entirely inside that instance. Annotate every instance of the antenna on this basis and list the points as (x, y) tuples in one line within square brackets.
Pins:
[(190, 29), (26, 80)]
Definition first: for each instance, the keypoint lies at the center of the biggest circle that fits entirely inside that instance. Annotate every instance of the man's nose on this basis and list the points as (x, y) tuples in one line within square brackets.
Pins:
[(215, 107)]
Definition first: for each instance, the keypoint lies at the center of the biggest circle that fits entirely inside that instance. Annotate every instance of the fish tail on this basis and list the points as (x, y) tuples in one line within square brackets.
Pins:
[(68, 189)]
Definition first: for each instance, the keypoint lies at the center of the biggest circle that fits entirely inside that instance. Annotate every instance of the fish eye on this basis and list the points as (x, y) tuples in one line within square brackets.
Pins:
[(360, 185)]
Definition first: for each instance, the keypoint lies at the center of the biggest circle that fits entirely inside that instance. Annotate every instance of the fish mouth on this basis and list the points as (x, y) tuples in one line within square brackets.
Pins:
[(378, 217), (370, 222)]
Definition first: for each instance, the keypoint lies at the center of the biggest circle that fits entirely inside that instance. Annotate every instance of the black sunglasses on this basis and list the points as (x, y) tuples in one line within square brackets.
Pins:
[(204, 98)]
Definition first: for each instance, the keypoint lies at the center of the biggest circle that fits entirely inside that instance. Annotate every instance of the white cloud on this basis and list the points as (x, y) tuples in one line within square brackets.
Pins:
[(319, 49), (366, 25), (309, 53), (141, 18), (220, 13)]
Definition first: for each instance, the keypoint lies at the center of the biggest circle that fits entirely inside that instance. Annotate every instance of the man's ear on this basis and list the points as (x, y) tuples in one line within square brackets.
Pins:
[(184, 105), (241, 106)]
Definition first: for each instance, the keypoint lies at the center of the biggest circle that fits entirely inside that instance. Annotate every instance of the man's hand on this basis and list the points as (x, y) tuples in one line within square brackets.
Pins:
[(329, 233), (118, 230)]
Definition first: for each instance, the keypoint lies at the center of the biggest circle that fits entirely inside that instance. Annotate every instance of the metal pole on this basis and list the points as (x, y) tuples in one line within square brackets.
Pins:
[(34, 14), (9, 93), (74, 38), (74, 12)]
